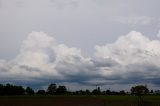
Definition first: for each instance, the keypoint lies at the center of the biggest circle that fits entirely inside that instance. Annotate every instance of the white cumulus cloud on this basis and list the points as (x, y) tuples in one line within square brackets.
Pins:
[(136, 55), (130, 49), (133, 58)]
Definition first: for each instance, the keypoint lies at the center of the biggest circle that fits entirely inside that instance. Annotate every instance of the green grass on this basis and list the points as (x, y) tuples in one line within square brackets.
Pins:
[(74, 100)]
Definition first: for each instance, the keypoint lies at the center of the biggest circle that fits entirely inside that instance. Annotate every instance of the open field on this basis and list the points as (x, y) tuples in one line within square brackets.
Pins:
[(77, 101)]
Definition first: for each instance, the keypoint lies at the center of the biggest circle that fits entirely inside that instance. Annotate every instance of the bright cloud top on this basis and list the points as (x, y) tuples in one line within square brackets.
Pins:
[(131, 59)]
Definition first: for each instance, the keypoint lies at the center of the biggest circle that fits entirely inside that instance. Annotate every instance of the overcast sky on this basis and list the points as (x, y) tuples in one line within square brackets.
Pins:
[(80, 42)]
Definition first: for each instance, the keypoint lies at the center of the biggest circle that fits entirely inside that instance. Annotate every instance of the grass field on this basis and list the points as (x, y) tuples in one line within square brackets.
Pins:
[(77, 101)]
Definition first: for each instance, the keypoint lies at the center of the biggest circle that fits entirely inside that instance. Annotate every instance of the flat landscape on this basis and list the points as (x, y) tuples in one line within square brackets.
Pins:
[(48, 100), (79, 52)]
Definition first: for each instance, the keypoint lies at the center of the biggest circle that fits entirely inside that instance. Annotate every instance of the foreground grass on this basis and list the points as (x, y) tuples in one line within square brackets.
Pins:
[(71, 100)]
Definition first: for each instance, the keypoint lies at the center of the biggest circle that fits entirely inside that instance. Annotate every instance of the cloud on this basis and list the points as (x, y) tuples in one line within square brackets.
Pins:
[(0, 3), (42, 57), (42, 52), (132, 59), (126, 48), (136, 55), (64, 3), (134, 20), (158, 34)]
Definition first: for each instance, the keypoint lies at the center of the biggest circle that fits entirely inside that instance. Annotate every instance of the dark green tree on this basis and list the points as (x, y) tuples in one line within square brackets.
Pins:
[(108, 92), (122, 92), (29, 91), (19, 90), (139, 90), (87, 92), (96, 91), (41, 92), (52, 88), (1, 89), (61, 90), (9, 89)]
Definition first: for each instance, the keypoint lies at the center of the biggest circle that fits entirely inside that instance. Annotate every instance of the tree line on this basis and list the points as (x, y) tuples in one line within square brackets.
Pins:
[(53, 89)]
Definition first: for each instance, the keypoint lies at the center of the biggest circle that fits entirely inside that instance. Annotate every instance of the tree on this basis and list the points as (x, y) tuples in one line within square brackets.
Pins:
[(1, 89), (108, 92), (52, 88), (139, 90), (61, 90), (157, 92), (41, 92), (122, 92), (29, 91), (87, 92), (19, 90), (151, 92), (96, 91), (9, 89)]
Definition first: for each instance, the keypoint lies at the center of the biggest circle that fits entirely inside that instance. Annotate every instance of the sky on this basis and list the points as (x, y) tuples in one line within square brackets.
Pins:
[(80, 43)]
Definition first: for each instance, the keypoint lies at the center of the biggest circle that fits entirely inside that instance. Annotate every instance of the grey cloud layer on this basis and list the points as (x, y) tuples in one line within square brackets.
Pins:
[(133, 58)]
